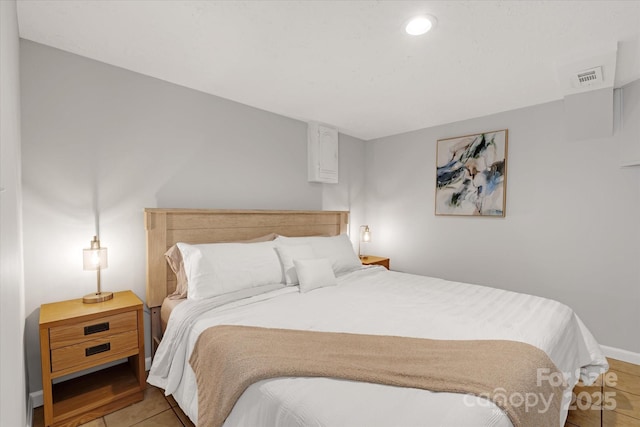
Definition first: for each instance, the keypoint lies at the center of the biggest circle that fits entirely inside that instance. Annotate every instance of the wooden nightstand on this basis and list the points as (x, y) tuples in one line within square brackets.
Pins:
[(75, 336), (374, 260), (613, 401), (621, 384)]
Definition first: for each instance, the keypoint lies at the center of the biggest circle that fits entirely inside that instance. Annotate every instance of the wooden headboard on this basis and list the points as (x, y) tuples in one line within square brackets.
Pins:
[(166, 227)]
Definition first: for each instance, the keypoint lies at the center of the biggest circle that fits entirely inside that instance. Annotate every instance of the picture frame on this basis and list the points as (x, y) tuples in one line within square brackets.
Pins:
[(471, 174)]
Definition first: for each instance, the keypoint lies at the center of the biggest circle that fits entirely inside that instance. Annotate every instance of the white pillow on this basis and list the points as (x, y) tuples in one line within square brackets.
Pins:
[(337, 249), (219, 268), (289, 253), (314, 273)]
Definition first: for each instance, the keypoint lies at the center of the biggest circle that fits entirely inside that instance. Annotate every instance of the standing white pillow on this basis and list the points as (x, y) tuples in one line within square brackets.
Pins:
[(314, 273), (337, 249), (219, 268)]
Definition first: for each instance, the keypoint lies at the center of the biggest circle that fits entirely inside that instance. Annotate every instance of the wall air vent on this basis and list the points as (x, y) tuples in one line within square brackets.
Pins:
[(591, 77)]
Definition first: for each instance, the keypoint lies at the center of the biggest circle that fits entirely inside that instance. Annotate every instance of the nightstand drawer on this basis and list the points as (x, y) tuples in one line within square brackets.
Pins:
[(96, 351), (626, 403), (616, 419), (585, 416), (62, 336)]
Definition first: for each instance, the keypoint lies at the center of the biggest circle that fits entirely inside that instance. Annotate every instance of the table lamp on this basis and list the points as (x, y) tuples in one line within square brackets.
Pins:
[(365, 236), (95, 258)]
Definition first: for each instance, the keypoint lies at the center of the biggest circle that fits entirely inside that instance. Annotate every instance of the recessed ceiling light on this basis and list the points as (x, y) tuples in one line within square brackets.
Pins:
[(420, 25)]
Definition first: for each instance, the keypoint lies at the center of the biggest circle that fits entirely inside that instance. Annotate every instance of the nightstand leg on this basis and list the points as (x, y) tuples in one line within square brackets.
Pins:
[(156, 329), (138, 361), (47, 394)]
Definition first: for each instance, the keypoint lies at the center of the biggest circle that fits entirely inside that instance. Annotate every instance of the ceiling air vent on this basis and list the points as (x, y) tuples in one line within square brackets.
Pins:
[(591, 77)]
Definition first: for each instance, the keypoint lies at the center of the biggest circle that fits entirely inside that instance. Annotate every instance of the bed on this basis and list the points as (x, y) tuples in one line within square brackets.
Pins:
[(366, 301)]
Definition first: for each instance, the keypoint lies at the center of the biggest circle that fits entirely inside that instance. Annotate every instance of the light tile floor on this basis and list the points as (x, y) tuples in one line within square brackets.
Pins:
[(154, 410)]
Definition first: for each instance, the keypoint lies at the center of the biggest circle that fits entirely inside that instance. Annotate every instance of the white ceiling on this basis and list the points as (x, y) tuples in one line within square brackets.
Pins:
[(348, 63)]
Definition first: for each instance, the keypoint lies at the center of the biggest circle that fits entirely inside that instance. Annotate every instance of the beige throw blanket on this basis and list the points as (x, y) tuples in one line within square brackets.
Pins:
[(228, 359)]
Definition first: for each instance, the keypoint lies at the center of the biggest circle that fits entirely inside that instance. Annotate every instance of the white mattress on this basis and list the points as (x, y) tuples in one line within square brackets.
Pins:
[(166, 308), (375, 301)]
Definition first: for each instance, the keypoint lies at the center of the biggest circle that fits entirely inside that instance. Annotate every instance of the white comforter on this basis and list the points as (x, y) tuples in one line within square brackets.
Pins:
[(375, 301)]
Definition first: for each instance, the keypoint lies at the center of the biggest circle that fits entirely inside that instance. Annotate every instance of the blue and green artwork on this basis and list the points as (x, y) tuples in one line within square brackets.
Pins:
[(471, 175)]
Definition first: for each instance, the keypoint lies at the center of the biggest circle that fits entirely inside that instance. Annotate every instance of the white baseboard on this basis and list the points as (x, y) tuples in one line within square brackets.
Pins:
[(619, 354), (36, 399)]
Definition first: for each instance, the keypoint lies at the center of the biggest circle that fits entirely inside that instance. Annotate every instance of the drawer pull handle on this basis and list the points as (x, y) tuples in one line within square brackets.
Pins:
[(94, 329), (97, 349)]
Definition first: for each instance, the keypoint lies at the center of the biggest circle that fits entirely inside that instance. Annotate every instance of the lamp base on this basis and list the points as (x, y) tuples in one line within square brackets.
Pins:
[(97, 297)]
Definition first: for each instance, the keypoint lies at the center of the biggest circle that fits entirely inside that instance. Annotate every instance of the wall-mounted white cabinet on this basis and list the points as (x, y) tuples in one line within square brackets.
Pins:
[(322, 152)]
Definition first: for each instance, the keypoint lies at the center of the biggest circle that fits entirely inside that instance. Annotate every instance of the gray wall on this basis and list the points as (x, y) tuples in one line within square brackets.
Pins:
[(98, 138), (12, 373), (572, 226)]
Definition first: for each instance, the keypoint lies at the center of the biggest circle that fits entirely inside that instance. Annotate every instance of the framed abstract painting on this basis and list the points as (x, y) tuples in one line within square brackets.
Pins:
[(471, 175)]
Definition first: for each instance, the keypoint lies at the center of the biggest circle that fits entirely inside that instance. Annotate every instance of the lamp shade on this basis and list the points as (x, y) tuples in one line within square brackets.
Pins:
[(95, 257), (366, 234)]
